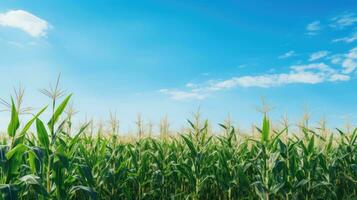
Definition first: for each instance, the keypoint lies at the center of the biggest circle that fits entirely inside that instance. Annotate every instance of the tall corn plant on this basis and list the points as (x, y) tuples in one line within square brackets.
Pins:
[(57, 162)]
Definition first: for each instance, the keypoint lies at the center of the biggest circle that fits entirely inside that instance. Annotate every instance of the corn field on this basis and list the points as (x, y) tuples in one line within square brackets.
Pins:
[(43, 160)]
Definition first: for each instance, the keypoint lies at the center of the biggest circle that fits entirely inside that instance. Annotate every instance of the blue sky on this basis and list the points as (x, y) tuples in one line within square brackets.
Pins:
[(170, 57)]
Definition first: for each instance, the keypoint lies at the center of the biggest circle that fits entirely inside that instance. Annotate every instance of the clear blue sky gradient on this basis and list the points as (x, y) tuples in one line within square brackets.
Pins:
[(124, 55)]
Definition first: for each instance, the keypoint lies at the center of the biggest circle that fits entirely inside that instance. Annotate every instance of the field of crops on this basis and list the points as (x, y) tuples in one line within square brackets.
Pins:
[(43, 160)]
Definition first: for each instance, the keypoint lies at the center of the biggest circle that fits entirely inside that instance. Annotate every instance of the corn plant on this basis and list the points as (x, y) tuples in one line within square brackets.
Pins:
[(53, 160)]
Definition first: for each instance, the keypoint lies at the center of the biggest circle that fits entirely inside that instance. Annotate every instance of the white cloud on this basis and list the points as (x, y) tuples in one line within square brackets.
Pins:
[(307, 74), (344, 20), (322, 67), (336, 58), (191, 85), (350, 62), (27, 22), (313, 28), (270, 80), (349, 65), (182, 95), (339, 77), (348, 39), (318, 55), (287, 55), (299, 74)]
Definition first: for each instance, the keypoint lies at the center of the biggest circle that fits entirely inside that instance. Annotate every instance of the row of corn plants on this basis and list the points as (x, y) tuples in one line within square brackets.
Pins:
[(42, 160)]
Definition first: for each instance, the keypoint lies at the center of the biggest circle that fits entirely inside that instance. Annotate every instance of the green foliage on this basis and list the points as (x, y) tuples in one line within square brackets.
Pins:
[(14, 123), (54, 164)]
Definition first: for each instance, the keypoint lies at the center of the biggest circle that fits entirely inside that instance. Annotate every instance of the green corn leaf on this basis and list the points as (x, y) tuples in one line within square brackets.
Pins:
[(302, 183), (190, 145), (34, 182), (29, 123), (191, 124), (59, 111), (14, 161), (276, 188), (20, 137), (76, 138), (330, 141), (310, 146), (353, 137), (265, 130), (32, 161), (42, 134), (87, 174), (276, 137), (14, 122), (18, 149), (223, 126), (30, 179), (88, 191)]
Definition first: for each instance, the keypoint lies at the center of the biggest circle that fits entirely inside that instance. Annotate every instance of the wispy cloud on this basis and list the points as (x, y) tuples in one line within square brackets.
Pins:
[(348, 60), (312, 73), (349, 64), (348, 39), (318, 55), (313, 28), (336, 58), (338, 22), (287, 55), (344, 20), (308, 74), (270, 80), (183, 95), (25, 21)]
